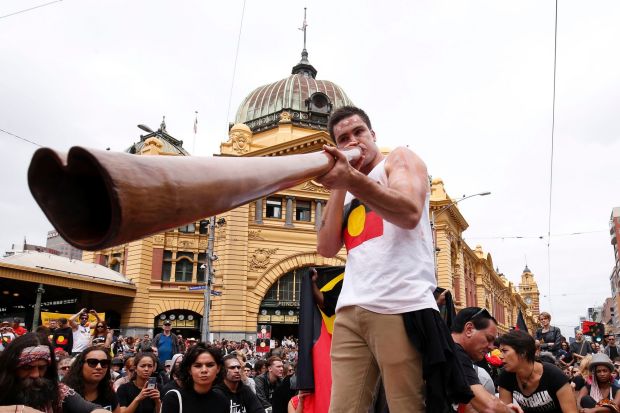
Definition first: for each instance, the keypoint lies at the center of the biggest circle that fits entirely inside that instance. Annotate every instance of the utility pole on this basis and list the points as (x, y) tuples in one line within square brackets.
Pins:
[(208, 280), (37, 307)]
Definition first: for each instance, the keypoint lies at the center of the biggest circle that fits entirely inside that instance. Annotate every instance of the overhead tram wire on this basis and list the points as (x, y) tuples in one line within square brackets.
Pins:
[(232, 83), (565, 234), (19, 137), (31, 8), (555, 58)]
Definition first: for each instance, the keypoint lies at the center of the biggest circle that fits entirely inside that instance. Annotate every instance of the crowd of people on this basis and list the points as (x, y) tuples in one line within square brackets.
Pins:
[(166, 373), (395, 344)]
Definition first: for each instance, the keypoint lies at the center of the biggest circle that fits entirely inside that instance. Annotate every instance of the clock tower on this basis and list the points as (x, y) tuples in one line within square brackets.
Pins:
[(529, 291)]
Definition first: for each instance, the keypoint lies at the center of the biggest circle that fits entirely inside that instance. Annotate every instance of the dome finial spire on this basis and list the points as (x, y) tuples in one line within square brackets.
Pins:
[(303, 29), (304, 67)]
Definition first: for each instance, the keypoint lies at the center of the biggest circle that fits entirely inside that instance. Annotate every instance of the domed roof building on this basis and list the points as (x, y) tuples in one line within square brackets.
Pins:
[(307, 100)]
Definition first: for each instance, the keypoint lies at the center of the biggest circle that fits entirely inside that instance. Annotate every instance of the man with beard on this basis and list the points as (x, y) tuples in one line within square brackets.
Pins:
[(29, 380), (241, 398)]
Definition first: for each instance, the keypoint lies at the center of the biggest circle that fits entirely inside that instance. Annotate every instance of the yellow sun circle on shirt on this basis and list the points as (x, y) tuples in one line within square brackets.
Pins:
[(357, 218)]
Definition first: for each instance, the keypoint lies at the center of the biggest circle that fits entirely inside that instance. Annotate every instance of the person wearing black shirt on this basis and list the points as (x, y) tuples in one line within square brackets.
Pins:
[(29, 380), (268, 382), (474, 331), (240, 397), (548, 336), (198, 372), (63, 336), (535, 386), (611, 349), (135, 396), (90, 377)]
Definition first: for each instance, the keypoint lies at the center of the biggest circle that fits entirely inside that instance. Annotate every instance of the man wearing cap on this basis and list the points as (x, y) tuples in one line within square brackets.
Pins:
[(166, 342), (29, 380), (474, 331)]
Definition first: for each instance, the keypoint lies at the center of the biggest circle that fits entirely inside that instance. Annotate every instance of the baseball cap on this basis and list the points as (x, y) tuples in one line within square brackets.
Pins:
[(167, 323)]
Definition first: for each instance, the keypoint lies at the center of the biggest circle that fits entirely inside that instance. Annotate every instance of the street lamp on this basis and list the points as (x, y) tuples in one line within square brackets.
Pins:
[(445, 208), (441, 211)]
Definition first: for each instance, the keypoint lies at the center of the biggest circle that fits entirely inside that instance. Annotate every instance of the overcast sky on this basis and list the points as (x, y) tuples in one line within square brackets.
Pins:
[(468, 85)]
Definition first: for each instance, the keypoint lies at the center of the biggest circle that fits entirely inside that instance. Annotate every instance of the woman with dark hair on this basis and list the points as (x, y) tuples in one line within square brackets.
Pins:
[(29, 377), (533, 385), (595, 396), (90, 377), (141, 395), (101, 336), (198, 372), (565, 355)]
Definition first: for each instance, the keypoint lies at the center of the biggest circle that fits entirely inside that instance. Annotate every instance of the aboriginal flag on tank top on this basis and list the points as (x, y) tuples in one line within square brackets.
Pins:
[(360, 224)]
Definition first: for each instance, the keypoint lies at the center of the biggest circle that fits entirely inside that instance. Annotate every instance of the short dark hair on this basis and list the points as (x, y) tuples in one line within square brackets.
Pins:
[(480, 317), (343, 113), (521, 342), (258, 365)]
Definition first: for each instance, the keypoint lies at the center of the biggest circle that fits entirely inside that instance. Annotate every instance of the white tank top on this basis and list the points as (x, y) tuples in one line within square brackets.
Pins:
[(81, 338), (389, 270)]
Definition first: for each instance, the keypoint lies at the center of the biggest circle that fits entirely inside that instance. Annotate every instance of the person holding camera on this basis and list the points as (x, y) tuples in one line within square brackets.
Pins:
[(141, 394), (81, 331)]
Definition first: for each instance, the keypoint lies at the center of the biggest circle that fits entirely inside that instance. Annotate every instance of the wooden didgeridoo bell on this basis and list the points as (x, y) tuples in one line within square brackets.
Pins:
[(97, 199)]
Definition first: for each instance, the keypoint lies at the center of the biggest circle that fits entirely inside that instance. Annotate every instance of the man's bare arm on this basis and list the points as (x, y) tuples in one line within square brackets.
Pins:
[(403, 200), (329, 237)]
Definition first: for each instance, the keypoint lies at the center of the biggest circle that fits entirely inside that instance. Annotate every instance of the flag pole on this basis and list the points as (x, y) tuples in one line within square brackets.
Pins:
[(195, 131)]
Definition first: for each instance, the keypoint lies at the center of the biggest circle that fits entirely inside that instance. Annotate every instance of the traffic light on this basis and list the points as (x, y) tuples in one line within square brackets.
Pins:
[(594, 330)]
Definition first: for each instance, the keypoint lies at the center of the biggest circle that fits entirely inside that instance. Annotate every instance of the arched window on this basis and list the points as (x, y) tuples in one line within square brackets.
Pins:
[(183, 272), (286, 288)]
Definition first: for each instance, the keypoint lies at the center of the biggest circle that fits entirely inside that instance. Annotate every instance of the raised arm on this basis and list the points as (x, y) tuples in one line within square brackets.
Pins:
[(401, 202)]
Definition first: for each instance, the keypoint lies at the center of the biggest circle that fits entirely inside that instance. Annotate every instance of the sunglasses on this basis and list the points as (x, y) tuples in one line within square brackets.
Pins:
[(482, 311), (92, 363)]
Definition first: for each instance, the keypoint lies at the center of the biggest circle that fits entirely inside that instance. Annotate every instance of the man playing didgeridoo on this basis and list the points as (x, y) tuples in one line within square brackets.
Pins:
[(378, 209)]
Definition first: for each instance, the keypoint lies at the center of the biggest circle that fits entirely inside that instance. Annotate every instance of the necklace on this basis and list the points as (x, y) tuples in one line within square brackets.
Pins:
[(524, 383)]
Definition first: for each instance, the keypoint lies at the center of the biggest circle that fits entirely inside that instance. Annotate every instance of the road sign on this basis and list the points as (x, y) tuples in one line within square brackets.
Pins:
[(197, 287)]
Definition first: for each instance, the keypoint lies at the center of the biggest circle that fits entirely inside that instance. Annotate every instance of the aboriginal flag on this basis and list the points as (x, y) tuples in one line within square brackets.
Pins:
[(521, 326), (360, 224), (315, 337)]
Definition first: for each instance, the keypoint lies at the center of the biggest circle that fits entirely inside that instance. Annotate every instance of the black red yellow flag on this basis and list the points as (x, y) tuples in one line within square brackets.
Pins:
[(521, 326), (360, 224), (315, 331)]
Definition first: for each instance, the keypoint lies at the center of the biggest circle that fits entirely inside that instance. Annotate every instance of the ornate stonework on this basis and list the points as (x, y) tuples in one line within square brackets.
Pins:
[(255, 235), (241, 138), (285, 117), (315, 187), (260, 258)]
